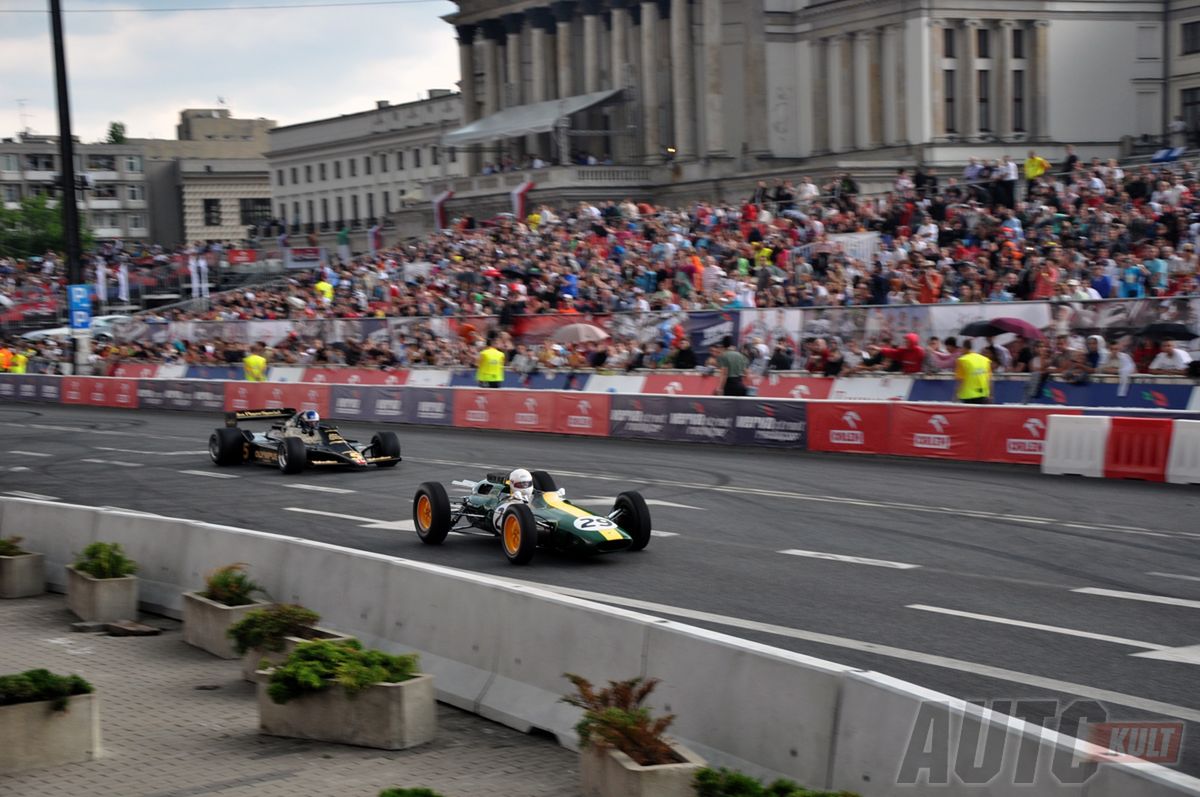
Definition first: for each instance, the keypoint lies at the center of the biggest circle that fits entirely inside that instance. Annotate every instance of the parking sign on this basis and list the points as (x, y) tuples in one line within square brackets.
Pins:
[(79, 304)]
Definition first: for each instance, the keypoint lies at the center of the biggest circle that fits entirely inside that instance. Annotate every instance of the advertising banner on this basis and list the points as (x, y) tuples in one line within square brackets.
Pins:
[(708, 328), (696, 384), (354, 376), (479, 409), (182, 394), (700, 420), (303, 256), (775, 385), (851, 427), (1014, 434), (239, 257), (429, 405), (135, 371), (780, 424), (582, 413), (893, 387), (638, 417), (349, 403), (948, 432), (264, 395)]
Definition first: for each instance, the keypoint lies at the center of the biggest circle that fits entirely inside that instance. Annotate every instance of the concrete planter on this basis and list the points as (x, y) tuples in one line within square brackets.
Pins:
[(611, 773), (22, 576), (262, 659), (206, 623), (385, 716), (103, 600), (33, 735)]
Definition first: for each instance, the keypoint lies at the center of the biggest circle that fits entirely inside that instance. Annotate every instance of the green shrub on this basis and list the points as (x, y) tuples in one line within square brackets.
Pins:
[(231, 586), (615, 718), (728, 783), (11, 546), (409, 793), (33, 686), (317, 665), (266, 628), (105, 560)]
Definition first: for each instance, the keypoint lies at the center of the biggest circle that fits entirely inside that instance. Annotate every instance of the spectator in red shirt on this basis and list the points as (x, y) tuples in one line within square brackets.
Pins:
[(910, 356)]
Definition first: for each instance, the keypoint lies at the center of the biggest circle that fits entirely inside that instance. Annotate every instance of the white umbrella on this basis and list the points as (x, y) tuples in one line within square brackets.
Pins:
[(579, 333)]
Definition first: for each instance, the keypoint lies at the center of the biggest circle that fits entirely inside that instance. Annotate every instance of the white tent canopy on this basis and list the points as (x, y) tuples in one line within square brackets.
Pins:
[(523, 120)]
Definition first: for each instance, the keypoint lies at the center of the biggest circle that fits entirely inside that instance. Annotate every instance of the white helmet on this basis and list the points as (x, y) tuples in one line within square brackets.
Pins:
[(521, 482)]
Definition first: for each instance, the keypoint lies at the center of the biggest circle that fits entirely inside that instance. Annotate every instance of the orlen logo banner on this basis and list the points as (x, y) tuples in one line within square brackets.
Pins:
[(479, 409), (855, 427), (790, 387), (74, 389), (354, 376), (264, 395), (582, 413), (680, 384), (1015, 434), (135, 371), (528, 411), (936, 431)]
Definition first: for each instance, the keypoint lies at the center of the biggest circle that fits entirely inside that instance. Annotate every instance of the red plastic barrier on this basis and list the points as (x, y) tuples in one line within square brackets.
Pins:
[(790, 387), (1138, 449), (582, 413), (1015, 434), (275, 395), (680, 384), (354, 376), (135, 371), (947, 432), (856, 427)]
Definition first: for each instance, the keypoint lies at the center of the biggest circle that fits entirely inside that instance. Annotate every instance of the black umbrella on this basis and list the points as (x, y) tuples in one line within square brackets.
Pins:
[(1166, 330), (980, 329)]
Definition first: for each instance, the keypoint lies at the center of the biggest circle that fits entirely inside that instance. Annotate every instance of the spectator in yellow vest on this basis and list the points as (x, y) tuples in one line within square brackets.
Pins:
[(255, 365)]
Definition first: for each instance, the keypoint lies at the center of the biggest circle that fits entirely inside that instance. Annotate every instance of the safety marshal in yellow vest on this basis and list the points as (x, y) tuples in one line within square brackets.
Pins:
[(490, 368)]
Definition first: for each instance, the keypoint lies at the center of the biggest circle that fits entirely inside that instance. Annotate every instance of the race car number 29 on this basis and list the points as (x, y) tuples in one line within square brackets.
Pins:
[(593, 523)]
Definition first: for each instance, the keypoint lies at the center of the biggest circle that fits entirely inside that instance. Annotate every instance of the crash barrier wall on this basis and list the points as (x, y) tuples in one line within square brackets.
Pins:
[(1150, 449), (500, 648), (1173, 393), (991, 433)]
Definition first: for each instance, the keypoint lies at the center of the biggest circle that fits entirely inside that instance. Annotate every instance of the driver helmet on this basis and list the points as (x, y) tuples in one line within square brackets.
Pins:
[(521, 482), (309, 420)]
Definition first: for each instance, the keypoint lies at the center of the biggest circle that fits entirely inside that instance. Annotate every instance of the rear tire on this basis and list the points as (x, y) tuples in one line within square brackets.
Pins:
[(543, 481), (386, 444), (225, 446), (431, 513), (518, 534), (633, 516), (293, 455)]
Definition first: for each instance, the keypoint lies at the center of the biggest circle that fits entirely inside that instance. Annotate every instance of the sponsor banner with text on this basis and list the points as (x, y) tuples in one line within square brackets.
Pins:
[(1016, 434), (182, 394), (354, 376), (263, 395), (680, 384), (98, 391), (582, 413), (429, 405), (638, 417), (368, 403), (852, 427), (774, 385), (135, 371), (779, 424), (945, 431)]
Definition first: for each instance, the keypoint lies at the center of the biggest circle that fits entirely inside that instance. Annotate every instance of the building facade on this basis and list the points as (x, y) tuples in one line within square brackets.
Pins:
[(358, 169)]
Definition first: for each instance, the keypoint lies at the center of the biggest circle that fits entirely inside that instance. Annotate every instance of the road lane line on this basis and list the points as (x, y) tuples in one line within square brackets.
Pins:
[(657, 533), (1054, 629), (321, 489), (116, 462), (854, 560), (1174, 575), (606, 499), (29, 453), (149, 453), (33, 496), (210, 474), (1138, 596), (331, 514)]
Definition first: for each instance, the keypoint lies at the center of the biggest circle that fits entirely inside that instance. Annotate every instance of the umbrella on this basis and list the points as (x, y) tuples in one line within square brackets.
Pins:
[(579, 333), (999, 326), (1165, 330)]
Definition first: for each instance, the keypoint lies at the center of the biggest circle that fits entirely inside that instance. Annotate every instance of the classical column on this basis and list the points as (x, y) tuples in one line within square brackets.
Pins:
[(618, 41), (1041, 79), (513, 23), (564, 12), (937, 57), (540, 23), (969, 112), (714, 106), (493, 33), (835, 102), (889, 78), (862, 90), (591, 45), (1004, 80), (652, 143), (466, 85), (682, 97), (755, 80)]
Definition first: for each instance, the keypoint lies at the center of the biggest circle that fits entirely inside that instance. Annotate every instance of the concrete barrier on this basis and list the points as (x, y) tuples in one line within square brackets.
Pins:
[(500, 648), (1075, 445)]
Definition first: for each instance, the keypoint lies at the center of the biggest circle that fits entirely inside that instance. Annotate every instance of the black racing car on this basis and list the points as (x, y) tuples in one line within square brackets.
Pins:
[(293, 444)]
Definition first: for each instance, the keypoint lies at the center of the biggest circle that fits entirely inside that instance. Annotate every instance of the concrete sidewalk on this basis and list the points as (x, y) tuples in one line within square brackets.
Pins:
[(177, 722)]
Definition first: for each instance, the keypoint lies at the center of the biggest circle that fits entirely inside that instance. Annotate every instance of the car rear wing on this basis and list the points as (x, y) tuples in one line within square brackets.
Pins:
[(232, 418)]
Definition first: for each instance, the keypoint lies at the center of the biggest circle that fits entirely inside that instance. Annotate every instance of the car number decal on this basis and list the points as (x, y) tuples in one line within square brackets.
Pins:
[(592, 523)]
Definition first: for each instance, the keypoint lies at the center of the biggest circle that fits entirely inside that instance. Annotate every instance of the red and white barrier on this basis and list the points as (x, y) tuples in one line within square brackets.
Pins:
[(1149, 449), (1183, 464)]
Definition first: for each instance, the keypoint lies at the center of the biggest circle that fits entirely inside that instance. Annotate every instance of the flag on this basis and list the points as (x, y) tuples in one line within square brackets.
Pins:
[(123, 283), (194, 271), (101, 281)]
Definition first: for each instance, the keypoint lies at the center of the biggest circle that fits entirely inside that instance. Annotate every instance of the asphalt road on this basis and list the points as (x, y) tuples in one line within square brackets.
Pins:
[(985, 582)]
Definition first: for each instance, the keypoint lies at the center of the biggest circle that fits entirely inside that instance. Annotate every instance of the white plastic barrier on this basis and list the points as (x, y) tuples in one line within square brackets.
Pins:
[(286, 373), (1183, 463), (500, 649), (1075, 445)]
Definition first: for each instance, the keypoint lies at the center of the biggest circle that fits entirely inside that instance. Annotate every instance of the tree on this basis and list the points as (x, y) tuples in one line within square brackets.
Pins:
[(116, 133), (35, 228)]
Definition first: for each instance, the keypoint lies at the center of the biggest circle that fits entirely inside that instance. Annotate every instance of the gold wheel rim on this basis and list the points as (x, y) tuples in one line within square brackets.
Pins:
[(424, 512), (512, 534)]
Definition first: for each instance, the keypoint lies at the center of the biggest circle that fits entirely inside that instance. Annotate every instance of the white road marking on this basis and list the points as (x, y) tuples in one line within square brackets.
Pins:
[(657, 533), (1138, 596), (321, 489), (29, 453), (331, 514), (150, 453), (33, 496), (365, 522), (1174, 575), (959, 665), (1184, 655), (15, 469), (116, 462), (1054, 629), (958, 512), (210, 474), (854, 560), (608, 499)]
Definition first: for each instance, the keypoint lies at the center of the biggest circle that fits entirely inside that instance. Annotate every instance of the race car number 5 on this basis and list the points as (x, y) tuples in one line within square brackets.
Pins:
[(593, 523)]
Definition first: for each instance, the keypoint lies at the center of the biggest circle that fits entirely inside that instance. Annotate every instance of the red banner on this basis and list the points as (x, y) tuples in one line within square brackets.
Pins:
[(354, 376), (480, 409), (275, 395), (1015, 434), (240, 256), (856, 427), (945, 431), (135, 371), (582, 413), (793, 387), (98, 391), (680, 384)]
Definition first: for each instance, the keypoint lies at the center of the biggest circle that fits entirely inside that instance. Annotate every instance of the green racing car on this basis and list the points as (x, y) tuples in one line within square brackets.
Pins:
[(526, 510)]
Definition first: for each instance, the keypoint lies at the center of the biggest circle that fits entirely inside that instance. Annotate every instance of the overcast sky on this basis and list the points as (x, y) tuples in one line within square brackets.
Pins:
[(291, 65)]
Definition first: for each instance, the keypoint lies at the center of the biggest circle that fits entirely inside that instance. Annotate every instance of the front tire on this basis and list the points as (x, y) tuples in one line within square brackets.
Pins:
[(518, 534), (225, 446), (633, 516), (386, 444), (431, 513), (292, 455)]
